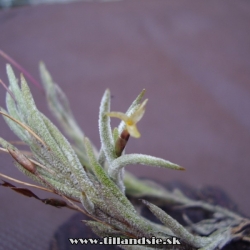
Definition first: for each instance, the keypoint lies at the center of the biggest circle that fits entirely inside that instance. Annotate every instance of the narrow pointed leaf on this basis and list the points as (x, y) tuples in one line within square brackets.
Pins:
[(128, 159), (14, 84), (59, 106), (176, 227), (105, 129), (17, 129)]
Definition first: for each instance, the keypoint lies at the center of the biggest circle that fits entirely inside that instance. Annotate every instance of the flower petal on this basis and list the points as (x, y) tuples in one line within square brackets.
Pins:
[(133, 131), (139, 112), (119, 115)]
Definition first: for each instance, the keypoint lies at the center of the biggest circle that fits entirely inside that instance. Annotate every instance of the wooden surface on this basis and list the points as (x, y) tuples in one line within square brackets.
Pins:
[(191, 56)]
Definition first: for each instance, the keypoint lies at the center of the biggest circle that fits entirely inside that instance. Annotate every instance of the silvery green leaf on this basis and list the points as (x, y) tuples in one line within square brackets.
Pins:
[(219, 239), (54, 168), (176, 227), (16, 128), (62, 188), (108, 204), (124, 160), (59, 105), (56, 98), (162, 231), (46, 156), (14, 86), (107, 143), (11, 104), (139, 188), (109, 219), (138, 226), (102, 158)]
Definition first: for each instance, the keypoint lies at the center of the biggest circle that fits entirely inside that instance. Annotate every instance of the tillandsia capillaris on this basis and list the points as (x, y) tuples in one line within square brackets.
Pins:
[(94, 182)]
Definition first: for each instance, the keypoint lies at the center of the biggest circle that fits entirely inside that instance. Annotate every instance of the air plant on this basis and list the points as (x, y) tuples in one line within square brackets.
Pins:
[(94, 182)]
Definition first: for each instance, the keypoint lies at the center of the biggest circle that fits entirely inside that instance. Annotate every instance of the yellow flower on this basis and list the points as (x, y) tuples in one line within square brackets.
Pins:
[(131, 120)]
